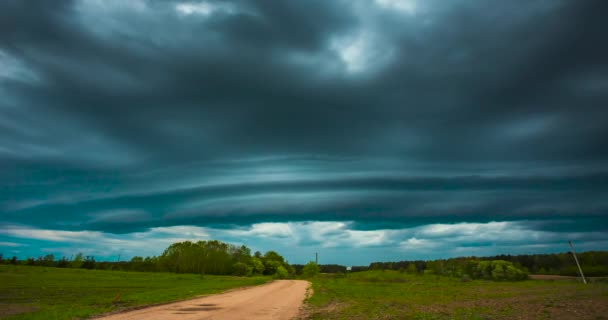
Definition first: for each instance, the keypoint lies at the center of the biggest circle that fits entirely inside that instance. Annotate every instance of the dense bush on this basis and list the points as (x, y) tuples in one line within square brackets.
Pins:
[(241, 269), (498, 270)]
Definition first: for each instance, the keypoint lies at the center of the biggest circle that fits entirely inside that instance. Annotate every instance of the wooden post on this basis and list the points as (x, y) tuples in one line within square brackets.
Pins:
[(577, 264)]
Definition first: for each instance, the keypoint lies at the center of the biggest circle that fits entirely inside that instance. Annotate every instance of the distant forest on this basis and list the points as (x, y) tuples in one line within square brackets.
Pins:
[(593, 263), (218, 258)]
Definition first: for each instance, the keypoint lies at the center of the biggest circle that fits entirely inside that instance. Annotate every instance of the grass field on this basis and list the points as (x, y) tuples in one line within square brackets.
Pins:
[(53, 293), (394, 295)]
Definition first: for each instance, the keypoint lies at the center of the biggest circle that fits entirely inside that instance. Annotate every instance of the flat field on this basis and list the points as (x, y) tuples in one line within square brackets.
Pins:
[(53, 293), (395, 295)]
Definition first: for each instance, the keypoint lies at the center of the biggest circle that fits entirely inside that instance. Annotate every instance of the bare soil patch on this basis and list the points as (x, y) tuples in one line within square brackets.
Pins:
[(281, 299), (7, 310), (551, 277)]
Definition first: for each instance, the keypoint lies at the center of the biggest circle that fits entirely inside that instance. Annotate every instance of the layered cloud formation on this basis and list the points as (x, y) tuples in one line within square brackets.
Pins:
[(384, 129)]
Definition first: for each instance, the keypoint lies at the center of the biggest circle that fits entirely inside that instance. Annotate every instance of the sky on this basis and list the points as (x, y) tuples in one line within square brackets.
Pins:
[(368, 130)]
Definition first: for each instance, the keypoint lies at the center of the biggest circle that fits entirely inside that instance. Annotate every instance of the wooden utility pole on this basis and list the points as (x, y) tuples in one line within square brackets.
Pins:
[(316, 258), (577, 264)]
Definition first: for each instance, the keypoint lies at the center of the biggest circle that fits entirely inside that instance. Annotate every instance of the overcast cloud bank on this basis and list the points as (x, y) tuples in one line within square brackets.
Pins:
[(376, 120)]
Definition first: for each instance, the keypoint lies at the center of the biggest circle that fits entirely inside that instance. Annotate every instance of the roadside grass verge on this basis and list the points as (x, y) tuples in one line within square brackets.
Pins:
[(395, 295), (54, 293)]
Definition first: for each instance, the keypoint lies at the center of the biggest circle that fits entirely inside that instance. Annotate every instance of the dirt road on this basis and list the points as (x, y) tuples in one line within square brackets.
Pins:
[(280, 299)]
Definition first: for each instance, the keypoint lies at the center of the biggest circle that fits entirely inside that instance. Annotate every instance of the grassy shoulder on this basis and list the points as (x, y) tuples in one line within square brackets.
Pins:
[(55, 293), (395, 295)]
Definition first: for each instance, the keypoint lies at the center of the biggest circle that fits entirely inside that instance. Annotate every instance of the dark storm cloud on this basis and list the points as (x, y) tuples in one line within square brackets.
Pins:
[(386, 202), (283, 107), (121, 116), (164, 92), (506, 83)]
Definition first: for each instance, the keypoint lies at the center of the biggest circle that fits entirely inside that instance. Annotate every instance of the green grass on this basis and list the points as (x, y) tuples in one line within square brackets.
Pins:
[(53, 293), (394, 295)]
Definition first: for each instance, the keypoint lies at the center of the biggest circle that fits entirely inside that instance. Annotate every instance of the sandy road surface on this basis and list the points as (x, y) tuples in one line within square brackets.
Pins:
[(280, 299)]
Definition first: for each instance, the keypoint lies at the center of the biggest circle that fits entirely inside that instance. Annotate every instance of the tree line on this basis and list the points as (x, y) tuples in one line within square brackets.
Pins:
[(202, 257), (218, 258), (323, 268), (593, 263)]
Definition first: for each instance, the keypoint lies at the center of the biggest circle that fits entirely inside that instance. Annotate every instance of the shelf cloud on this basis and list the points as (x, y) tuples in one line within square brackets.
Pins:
[(379, 127)]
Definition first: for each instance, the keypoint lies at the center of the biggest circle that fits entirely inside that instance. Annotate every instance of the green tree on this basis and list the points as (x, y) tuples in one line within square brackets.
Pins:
[(311, 270), (78, 261), (205, 257), (48, 260), (258, 266), (272, 261), (271, 266), (241, 254), (89, 263), (62, 263), (272, 255)]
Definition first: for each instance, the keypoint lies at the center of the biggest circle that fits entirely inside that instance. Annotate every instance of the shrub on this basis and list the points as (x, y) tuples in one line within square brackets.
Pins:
[(271, 267), (240, 269), (281, 273), (411, 269)]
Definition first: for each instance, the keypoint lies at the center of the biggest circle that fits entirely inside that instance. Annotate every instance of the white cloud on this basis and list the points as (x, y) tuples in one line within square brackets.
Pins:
[(327, 234), (188, 8), (12, 244), (363, 52), (186, 232), (266, 230), (298, 240), (150, 242), (405, 6), (51, 235), (415, 243), (113, 5), (366, 238), (463, 229), (203, 8)]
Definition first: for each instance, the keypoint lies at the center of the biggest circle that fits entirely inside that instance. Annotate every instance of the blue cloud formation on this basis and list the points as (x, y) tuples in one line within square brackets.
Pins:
[(374, 129)]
